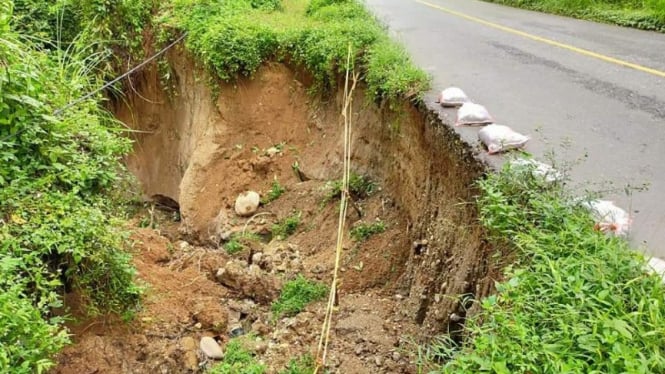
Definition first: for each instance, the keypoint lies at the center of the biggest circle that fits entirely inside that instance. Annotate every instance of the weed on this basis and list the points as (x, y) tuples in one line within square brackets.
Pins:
[(276, 190), (360, 187), (233, 246), (296, 294), (287, 226), (301, 365), (237, 360), (363, 231)]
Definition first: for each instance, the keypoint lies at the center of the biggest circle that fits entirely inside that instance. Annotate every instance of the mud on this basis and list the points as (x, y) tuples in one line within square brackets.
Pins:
[(200, 149)]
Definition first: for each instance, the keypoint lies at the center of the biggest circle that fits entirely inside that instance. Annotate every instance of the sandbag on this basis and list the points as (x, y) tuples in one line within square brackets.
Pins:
[(538, 169), (609, 218), (656, 266), (499, 138), (473, 114), (452, 96)]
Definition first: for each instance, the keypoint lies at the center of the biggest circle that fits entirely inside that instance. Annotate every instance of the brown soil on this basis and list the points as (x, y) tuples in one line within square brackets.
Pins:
[(398, 288)]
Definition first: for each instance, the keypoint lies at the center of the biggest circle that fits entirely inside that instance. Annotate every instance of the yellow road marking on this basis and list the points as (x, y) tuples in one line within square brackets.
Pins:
[(569, 47)]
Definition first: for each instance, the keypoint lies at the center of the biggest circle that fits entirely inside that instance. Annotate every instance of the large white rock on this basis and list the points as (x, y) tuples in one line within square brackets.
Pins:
[(656, 266), (247, 203), (210, 348)]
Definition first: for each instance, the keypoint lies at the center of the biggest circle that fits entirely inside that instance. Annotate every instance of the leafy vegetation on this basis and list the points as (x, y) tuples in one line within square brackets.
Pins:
[(363, 231), (296, 294), (301, 365), (287, 226), (276, 190), (646, 15), (58, 180), (233, 38), (576, 301), (237, 360), (360, 187)]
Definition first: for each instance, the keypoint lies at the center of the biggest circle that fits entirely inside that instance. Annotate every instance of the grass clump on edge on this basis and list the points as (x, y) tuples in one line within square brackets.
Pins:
[(576, 301), (360, 187), (296, 294), (237, 360), (364, 231), (645, 15), (233, 38), (301, 365)]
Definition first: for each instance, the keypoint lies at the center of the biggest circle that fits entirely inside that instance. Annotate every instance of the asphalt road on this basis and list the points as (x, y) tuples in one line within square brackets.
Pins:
[(606, 119)]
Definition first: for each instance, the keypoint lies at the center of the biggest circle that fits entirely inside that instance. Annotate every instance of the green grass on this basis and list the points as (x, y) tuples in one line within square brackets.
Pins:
[(646, 15), (237, 360), (276, 190), (364, 231), (296, 294), (233, 38), (301, 365), (360, 187), (286, 226), (575, 301)]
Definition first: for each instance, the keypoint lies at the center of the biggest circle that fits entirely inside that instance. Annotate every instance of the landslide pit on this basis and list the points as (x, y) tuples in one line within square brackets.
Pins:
[(196, 150)]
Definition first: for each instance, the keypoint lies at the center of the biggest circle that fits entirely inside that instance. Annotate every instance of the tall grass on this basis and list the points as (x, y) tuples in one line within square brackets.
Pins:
[(576, 301), (646, 15)]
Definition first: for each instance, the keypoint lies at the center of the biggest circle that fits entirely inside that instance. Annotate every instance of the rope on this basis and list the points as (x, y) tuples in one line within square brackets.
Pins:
[(107, 85), (322, 350)]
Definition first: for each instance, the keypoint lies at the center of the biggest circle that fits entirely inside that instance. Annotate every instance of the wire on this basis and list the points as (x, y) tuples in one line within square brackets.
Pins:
[(105, 86)]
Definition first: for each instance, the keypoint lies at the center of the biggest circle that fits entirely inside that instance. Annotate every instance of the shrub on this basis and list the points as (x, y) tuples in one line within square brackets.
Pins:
[(296, 294)]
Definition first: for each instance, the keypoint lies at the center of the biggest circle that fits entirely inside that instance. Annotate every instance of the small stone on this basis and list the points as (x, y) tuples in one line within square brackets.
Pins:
[(378, 361), (247, 203), (396, 356), (272, 151), (437, 298), (398, 297), (260, 347), (210, 348), (188, 343), (191, 361), (199, 325), (226, 235), (256, 258)]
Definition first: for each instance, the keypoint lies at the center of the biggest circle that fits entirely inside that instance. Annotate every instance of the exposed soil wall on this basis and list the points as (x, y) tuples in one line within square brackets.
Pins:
[(202, 152)]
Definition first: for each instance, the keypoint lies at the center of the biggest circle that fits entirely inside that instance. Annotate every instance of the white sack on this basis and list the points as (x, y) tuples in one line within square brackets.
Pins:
[(498, 138), (609, 218), (453, 96), (538, 169), (473, 114)]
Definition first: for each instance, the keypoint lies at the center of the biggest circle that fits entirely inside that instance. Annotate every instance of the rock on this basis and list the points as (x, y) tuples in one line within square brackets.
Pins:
[(378, 361), (211, 349), (247, 203), (191, 361), (250, 282), (272, 151), (256, 258), (188, 344), (260, 328), (396, 356)]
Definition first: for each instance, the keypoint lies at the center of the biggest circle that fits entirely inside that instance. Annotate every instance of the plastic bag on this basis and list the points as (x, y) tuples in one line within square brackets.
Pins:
[(609, 218), (656, 266), (452, 96), (498, 138), (473, 114), (538, 169)]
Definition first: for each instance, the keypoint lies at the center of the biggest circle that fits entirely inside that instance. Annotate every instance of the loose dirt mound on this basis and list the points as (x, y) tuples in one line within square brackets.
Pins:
[(398, 287)]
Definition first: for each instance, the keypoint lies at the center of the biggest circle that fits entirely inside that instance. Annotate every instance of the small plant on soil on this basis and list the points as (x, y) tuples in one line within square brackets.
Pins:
[(296, 294), (360, 187), (287, 226), (237, 360), (233, 246), (301, 365), (276, 190), (363, 231)]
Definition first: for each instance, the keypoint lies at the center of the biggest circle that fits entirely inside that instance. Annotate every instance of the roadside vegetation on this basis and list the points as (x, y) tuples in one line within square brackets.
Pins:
[(59, 180), (575, 301), (645, 15)]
